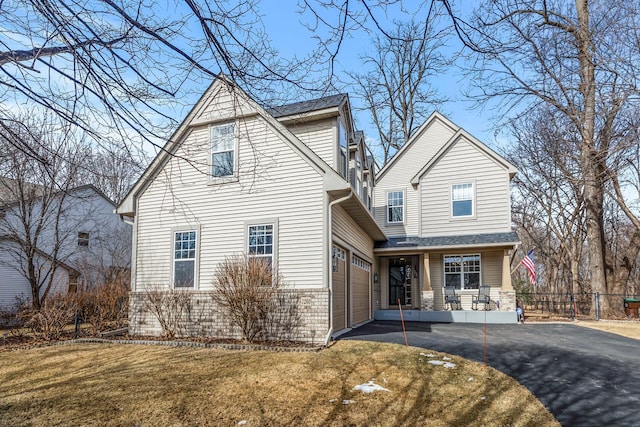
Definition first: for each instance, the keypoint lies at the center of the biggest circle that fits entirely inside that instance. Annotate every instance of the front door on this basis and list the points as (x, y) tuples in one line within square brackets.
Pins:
[(401, 275)]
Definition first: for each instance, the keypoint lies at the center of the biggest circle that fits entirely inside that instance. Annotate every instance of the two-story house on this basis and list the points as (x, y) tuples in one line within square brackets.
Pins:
[(443, 202), (62, 241), (299, 182)]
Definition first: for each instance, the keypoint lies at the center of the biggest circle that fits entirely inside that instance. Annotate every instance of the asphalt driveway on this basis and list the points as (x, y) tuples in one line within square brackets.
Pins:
[(583, 376)]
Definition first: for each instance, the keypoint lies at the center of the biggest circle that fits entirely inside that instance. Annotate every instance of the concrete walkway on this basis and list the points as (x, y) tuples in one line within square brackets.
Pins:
[(583, 376)]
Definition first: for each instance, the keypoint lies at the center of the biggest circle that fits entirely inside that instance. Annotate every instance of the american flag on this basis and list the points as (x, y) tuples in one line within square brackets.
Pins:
[(528, 263)]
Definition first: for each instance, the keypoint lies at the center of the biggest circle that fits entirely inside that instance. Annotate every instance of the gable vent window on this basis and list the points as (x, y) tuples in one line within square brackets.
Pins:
[(223, 149), (83, 239)]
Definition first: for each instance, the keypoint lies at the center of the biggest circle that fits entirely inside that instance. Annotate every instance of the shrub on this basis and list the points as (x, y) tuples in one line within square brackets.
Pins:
[(13, 317), (56, 312), (248, 291), (170, 307), (105, 306)]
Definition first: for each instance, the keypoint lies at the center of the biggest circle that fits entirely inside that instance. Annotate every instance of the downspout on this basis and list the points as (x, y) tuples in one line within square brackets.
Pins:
[(330, 251)]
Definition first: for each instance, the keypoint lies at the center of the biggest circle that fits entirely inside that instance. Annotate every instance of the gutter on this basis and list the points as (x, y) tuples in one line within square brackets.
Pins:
[(330, 255)]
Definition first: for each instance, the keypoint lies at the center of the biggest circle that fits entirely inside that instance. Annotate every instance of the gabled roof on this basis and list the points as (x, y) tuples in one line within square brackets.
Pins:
[(458, 131), (41, 190), (476, 143), (333, 181), (302, 107), (432, 118)]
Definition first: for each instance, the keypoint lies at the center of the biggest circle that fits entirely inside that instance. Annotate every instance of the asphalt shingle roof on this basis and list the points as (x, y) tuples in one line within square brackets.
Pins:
[(466, 240), (307, 106)]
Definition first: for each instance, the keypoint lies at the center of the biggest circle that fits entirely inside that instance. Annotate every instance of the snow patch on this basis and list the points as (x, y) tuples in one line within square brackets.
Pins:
[(369, 387), (448, 365)]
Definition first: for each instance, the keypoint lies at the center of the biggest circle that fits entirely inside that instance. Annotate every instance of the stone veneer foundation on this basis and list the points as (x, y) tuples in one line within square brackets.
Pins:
[(205, 319)]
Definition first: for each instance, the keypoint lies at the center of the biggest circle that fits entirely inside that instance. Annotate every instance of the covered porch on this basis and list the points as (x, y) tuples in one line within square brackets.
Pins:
[(413, 272)]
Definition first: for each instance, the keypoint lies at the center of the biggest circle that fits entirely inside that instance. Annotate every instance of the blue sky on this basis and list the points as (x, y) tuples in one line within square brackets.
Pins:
[(289, 36)]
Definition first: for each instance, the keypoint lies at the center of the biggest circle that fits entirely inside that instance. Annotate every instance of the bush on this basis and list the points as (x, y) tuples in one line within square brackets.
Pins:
[(13, 317), (56, 312), (170, 307), (106, 306), (248, 290)]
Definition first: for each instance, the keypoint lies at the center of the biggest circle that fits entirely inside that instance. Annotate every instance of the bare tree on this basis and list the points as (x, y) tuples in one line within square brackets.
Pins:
[(534, 52), (548, 202), (395, 83), (112, 169), (44, 208), (112, 67)]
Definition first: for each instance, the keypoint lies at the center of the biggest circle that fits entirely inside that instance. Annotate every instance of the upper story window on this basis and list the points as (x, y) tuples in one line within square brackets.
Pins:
[(184, 259), (343, 154), (462, 200), (223, 150), (83, 238), (462, 271), (261, 242), (395, 207)]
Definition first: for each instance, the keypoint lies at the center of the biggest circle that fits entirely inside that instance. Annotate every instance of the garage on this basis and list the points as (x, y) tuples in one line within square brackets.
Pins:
[(339, 278), (361, 290)]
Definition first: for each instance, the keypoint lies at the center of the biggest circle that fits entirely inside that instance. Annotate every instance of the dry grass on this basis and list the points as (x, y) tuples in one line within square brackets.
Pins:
[(112, 385), (626, 328)]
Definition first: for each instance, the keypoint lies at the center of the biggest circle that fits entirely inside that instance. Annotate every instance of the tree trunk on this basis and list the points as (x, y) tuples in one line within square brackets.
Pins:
[(593, 180)]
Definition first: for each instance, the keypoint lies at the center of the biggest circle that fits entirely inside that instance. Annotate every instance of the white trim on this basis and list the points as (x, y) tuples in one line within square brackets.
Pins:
[(404, 207), (460, 133), (472, 183), (273, 222), (196, 257), (234, 173), (462, 272)]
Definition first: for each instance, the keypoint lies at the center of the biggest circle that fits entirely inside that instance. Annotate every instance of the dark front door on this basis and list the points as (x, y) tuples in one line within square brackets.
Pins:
[(400, 277)]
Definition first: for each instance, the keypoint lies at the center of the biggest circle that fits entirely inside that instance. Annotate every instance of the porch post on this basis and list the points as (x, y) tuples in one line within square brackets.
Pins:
[(507, 294), (426, 282), (427, 290), (506, 273)]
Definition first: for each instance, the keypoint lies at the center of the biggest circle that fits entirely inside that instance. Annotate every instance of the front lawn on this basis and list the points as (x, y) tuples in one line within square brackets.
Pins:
[(138, 385)]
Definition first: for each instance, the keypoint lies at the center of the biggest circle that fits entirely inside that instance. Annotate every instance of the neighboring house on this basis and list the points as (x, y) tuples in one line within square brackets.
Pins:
[(79, 244), (299, 182)]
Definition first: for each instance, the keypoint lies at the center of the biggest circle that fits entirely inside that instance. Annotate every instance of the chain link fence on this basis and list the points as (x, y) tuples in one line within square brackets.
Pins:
[(582, 306)]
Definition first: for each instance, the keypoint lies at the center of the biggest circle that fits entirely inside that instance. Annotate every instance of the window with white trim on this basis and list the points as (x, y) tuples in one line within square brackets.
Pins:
[(223, 150), (462, 271), (184, 258), (395, 207), (462, 200), (343, 149), (261, 242)]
